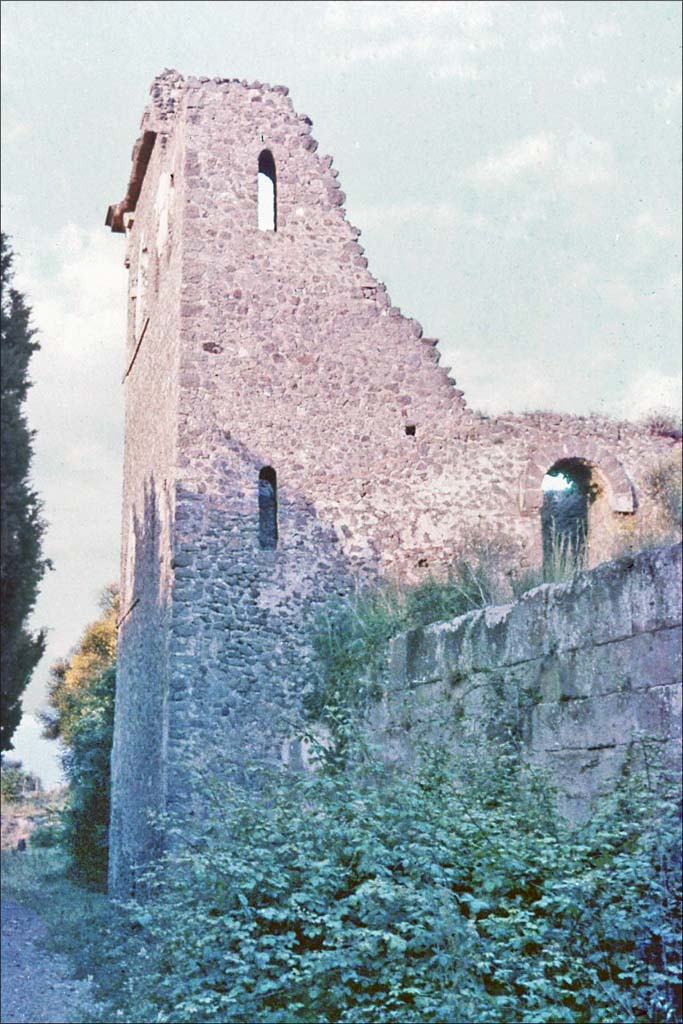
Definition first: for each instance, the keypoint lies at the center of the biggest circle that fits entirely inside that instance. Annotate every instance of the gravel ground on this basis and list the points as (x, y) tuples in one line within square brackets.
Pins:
[(37, 986)]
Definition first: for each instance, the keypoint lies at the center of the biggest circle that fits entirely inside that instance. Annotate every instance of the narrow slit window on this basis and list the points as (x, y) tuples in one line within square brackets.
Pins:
[(267, 192), (267, 507)]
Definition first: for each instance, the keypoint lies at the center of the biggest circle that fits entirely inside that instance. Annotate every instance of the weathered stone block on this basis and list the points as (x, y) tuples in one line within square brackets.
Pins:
[(422, 662), (581, 776), (656, 589), (456, 643), (610, 603), (527, 636), (658, 712), (488, 638)]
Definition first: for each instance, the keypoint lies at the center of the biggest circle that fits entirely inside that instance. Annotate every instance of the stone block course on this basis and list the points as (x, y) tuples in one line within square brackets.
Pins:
[(594, 680)]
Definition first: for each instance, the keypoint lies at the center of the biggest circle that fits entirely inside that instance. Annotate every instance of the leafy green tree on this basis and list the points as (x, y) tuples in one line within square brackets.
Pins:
[(81, 715), (16, 781), (72, 679), (21, 561), (87, 767)]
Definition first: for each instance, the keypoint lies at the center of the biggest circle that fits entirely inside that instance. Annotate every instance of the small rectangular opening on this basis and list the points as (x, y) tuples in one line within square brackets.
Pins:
[(410, 429), (267, 507)]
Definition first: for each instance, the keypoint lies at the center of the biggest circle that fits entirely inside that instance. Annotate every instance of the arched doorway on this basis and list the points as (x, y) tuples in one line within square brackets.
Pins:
[(579, 497), (568, 492)]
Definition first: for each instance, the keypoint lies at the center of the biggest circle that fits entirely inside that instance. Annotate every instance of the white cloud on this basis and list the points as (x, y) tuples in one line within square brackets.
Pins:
[(80, 306), (377, 15), (528, 154), (37, 755), (486, 382), (665, 92), (545, 41), (441, 30), (413, 46), (586, 78), (456, 69), (14, 129), (552, 15), (396, 214), (584, 160), (607, 29), (650, 392), (647, 224), (577, 160)]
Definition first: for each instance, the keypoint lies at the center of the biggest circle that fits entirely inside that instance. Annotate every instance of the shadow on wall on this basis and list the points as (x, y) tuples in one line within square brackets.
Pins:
[(141, 693), (213, 659)]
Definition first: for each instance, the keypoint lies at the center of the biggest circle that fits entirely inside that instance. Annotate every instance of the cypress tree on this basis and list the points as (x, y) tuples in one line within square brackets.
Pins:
[(21, 527)]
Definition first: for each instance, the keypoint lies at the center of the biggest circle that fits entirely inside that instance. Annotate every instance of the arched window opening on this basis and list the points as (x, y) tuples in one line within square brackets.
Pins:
[(267, 192), (267, 507), (568, 492)]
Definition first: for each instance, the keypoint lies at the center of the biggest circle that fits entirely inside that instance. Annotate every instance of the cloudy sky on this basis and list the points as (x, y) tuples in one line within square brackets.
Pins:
[(514, 168)]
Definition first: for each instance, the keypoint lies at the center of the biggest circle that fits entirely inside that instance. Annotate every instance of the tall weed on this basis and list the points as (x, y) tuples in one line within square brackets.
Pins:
[(350, 636)]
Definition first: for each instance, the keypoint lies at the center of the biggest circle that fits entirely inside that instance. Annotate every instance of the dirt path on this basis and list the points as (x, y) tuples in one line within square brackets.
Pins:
[(37, 986)]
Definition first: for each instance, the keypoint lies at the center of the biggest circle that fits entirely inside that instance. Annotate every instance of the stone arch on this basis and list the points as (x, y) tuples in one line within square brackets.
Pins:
[(607, 471), (567, 515)]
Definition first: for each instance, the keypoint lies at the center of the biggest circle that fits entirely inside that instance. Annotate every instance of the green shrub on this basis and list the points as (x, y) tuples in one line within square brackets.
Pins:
[(664, 423), (446, 891), (49, 833), (14, 781), (86, 764), (663, 482), (350, 636), (81, 714)]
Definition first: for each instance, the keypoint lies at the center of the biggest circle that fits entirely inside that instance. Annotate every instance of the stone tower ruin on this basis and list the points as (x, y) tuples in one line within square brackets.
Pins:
[(288, 432)]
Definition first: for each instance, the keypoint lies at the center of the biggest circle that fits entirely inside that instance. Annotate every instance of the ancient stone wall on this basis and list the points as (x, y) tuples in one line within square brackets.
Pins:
[(579, 670), (151, 378), (295, 348), (276, 351)]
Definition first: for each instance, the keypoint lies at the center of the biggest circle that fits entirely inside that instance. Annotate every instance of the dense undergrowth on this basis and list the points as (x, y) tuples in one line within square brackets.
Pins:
[(29, 815), (446, 891)]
